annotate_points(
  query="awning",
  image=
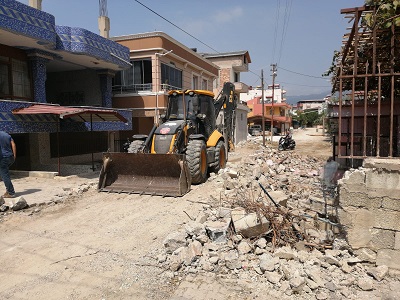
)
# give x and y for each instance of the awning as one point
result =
(280, 119)
(80, 114)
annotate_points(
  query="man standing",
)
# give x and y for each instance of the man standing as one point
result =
(7, 157)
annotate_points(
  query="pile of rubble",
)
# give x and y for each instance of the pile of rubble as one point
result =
(270, 219)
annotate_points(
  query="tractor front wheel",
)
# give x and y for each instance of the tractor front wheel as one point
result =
(196, 156)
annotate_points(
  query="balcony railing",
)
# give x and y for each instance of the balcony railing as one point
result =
(146, 87)
(133, 88)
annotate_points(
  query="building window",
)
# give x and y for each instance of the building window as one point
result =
(20, 78)
(195, 82)
(204, 84)
(15, 80)
(137, 78)
(171, 78)
(4, 83)
(237, 77)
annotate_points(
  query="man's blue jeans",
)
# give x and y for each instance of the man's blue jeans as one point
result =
(5, 163)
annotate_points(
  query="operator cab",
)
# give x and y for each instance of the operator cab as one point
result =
(199, 109)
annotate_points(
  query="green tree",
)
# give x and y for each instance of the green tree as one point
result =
(386, 13)
(308, 119)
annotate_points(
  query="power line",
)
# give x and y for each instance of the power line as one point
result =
(277, 13)
(322, 86)
(175, 25)
(285, 26)
(302, 74)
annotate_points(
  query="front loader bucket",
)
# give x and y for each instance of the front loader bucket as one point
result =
(140, 173)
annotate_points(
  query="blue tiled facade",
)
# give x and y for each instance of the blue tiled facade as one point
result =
(24, 20)
(29, 23)
(82, 41)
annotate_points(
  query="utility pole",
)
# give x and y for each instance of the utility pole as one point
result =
(263, 107)
(273, 96)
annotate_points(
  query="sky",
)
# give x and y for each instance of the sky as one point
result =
(299, 36)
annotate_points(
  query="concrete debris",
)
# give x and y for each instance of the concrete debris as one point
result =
(249, 224)
(291, 242)
(19, 204)
(379, 273)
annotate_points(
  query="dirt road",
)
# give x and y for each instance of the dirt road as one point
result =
(105, 246)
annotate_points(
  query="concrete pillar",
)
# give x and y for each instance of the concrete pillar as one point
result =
(104, 26)
(38, 66)
(36, 4)
(106, 77)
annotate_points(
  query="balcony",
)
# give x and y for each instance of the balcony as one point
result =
(142, 88)
(241, 87)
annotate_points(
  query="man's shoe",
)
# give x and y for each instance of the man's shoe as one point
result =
(7, 195)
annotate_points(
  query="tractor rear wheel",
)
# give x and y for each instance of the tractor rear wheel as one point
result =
(196, 156)
(220, 157)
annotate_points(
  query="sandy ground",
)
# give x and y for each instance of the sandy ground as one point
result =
(103, 246)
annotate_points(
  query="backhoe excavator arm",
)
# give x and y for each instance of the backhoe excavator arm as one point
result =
(227, 100)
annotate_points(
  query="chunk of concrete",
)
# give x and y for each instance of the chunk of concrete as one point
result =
(379, 273)
(279, 197)
(249, 225)
(388, 257)
(217, 231)
(19, 204)
(174, 241)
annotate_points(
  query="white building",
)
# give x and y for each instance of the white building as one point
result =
(279, 94)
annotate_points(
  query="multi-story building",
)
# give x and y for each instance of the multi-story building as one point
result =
(45, 67)
(277, 114)
(256, 92)
(231, 64)
(312, 105)
(160, 64)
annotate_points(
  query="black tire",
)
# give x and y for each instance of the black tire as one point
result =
(196, 156)
(280, 144)
(135, 145)
(220, 157)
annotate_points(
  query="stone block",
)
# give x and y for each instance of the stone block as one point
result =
(248, 225)
(357, 198)
(359, 229)
(382, 239)
(345, 216)
(388, 257)
(390, 203)
(382, 179)
(387, 219)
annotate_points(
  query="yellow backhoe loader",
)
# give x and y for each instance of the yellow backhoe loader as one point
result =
(181, 151)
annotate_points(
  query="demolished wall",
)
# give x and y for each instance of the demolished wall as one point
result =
(369, 200)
